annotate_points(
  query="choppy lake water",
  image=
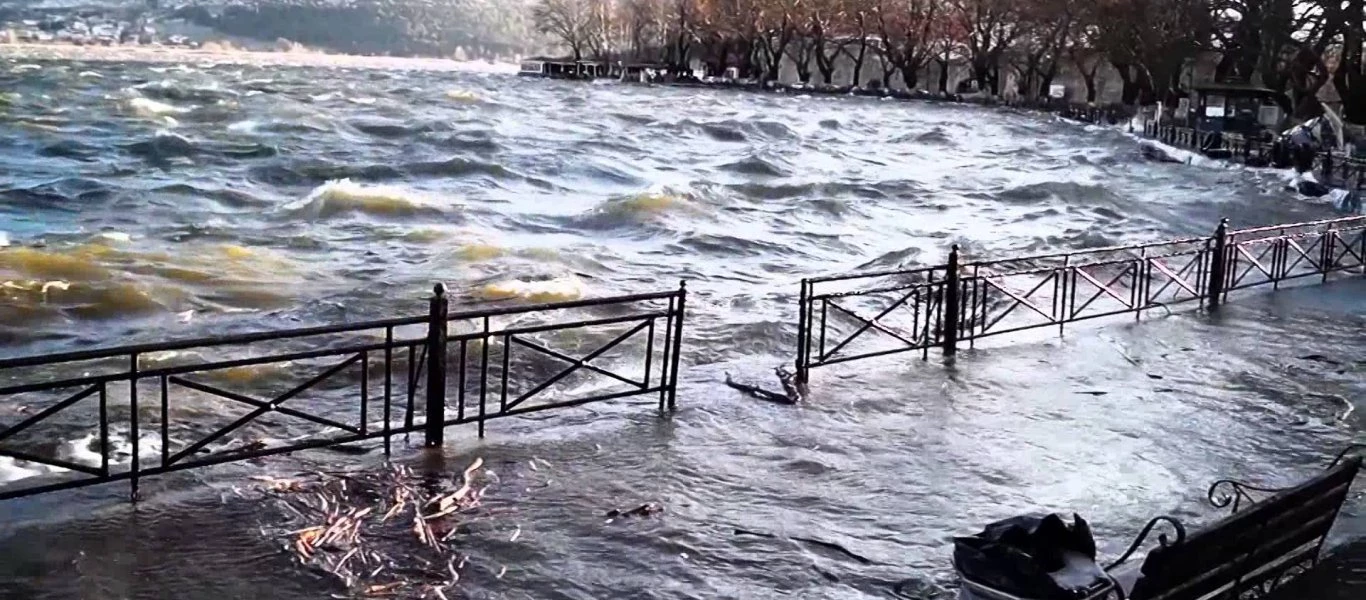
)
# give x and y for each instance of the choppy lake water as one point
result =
(142, 202)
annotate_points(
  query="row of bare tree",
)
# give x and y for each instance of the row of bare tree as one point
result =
(1292, 46)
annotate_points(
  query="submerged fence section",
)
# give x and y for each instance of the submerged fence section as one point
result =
(863, 315)
(135, 411)
(88, 417)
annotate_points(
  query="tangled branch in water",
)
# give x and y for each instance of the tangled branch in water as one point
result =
(383, 534)
(792, 390)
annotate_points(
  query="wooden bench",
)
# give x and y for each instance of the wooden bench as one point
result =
(1247, 553)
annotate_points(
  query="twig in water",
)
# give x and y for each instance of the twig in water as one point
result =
(838, 548)
(342, 563)
(822, 543)
(758, 392)
(455, 575)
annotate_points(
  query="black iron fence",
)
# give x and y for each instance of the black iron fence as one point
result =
(1331, 167)
(142, 409)
(863, 315)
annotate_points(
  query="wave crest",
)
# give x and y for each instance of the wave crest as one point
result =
(636, 209)
(343, 196)
(558, 289)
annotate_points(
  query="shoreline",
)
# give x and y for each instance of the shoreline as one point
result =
(1138, 120)
(298, 58)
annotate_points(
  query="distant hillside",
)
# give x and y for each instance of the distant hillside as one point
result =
(478, 28)
(475, 28)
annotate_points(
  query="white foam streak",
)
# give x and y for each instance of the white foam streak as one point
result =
(147, 107)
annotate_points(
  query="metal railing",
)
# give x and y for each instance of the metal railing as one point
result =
(354, 382)
(863, 315)
(1331, 167)
(921, 291)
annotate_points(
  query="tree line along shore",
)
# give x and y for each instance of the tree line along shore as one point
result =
(1131, 52)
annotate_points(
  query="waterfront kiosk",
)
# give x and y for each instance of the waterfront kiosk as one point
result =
(1242, 109)
(565, 68)
(534, 67)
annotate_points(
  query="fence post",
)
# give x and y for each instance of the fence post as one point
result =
(133, 434)
(1218, 263)
(678, 345)
(951, 302)
(436, 367)
(802, 333)
(1328, 252)
(1328, 168)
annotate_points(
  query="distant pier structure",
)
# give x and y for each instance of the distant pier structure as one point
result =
(568, 68)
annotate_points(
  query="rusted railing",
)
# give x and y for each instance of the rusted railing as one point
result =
(349, 383)
(863, 315)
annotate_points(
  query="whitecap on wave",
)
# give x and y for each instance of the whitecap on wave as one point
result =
(81, 450)
(558, 289)
(147, 107)
(344, 196)
(462, 96)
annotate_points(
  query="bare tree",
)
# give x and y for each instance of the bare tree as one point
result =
(1294, 46)
(991, 27)
(1350, 75)
(568, 21)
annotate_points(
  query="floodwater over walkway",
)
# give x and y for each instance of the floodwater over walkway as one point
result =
(174, 201)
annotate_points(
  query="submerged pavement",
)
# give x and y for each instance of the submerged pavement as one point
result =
(889, 458)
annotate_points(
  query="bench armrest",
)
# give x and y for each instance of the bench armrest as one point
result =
(1226, 492)
(1161, 538)
(1350, 449)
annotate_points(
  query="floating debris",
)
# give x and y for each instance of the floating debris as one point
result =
(384, 534)
(644, 510)
(792, 393)
(811, 541)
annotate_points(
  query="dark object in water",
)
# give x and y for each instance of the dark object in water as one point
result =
(813, 541)
(644, 510)
(1038, 557)
(1153, 152)
(1343, 200)
(1312, 189)
(792, 390)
